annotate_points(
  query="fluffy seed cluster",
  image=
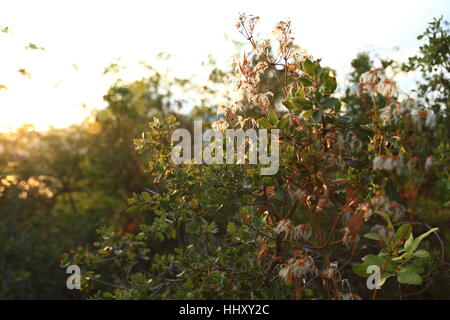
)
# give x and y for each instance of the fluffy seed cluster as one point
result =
(291, 232)
(382, 231)
(375, 82)
(392, 208)
(429, 163)
(329, 272)
(350, 296)
(348, 239)
(220, 125)
(297, 267)
(389, 163)
(366, 210)
(419, 117)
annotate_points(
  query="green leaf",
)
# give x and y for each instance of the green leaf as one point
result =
(421, 254)
(317, 117)
(408, 277)
(386, 275)
(172, 119)
(330, 103)
(372, 259)
(361, 269)
(140, 236)
(379, 261)
(231, 228)
(409, 242)
(273, 118)
(403, 233)
(267, 181)
(264, 123)
(309, 293)
(301, 103)
(307, 114)
(285, 124)
(369, 127)
(372, 236)
(146, 196)
(385, 217)
(413, 268)
(305, 82)
(288, 104)
(310, 67)
(420, 238)
(331, 85)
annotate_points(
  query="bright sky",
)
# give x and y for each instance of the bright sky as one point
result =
(91, 34)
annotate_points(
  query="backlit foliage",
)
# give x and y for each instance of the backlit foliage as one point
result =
(359, 173)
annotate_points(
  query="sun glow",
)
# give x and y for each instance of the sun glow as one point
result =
(81, 39)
